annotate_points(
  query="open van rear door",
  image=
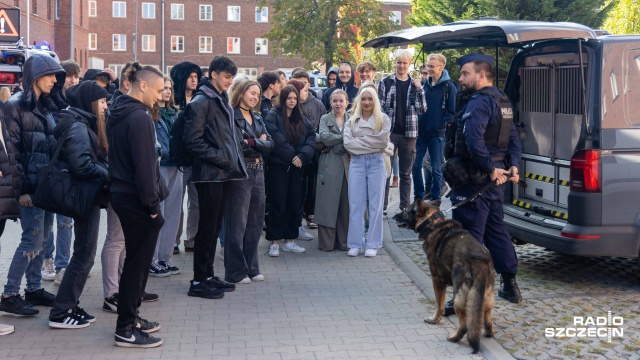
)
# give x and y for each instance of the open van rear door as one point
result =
(483, 32)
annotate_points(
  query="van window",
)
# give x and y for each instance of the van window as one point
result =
(322, 82)
(632, 87)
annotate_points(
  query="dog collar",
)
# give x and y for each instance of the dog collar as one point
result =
(435, 218)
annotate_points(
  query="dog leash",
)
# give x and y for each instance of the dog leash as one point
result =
(479, 193)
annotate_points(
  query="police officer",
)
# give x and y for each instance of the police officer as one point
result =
(492, 152)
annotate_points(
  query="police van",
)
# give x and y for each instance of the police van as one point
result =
(576, 98)
(13, 57)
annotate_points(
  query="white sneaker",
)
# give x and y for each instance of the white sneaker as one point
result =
(354, 252)
(59, 276)
(245, 281)
(48, 271)
(291, 246)
(371, 252)
(303, 234)
(6, 329)
(258, 277)
(274, 250)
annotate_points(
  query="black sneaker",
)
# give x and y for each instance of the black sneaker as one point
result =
(217, 283)
(158, 271)
(136, 338)
(110, 304)
(71, 320)
(39, 297)
(15, 304)
(146, 325)
(172, 269)
(149, 297)
(203, 290)
(176, 249)
(84, 315)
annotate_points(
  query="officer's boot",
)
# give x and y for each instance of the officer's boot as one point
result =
(509, 288)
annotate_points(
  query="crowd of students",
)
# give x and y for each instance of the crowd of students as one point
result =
(265, 155)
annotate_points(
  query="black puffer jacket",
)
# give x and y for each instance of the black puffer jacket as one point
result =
(255, 148)
(10, 180)
(211, 135)
(283, 152)
(80, 148)
(30, 121)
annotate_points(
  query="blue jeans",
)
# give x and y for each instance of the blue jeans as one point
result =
(367, 176)
(62, 243)
(433, 144)
(27, 260)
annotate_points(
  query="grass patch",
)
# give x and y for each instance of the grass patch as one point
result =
(609, 345)
(598, 351)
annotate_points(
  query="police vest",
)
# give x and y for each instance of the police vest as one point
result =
(495, 134)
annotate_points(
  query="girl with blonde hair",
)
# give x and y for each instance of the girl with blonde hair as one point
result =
(366, 135)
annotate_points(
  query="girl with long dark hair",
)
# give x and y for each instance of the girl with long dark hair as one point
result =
(294, 137)
(82, 130)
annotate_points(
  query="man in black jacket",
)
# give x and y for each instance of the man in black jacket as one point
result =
(29, 118)
(211, 135)
(136, 192)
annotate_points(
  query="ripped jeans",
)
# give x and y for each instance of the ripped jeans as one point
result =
(61, 244)
(27, 260)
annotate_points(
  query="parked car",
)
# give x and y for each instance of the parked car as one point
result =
(318, 82)
(576, 98)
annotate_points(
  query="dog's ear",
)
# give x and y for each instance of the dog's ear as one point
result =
(435, 203)
(421, 208)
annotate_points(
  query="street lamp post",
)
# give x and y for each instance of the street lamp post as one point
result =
(135, 34)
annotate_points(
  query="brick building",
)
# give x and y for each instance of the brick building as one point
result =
(168, 31)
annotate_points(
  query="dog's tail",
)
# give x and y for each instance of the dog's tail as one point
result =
(475, 314)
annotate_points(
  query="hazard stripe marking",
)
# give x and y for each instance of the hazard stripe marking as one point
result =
(546, 179)
(526, 205)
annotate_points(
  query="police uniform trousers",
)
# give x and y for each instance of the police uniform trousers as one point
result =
(484, 219)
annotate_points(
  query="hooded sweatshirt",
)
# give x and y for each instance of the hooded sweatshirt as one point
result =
(349, 87)
(333, 69)
(133, 161)
(439, 110)
(30, 121)
(179, 75)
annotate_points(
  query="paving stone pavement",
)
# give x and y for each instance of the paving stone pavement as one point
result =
(556, 288)
(312, 306)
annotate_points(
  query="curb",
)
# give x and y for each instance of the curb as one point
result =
(489, 347)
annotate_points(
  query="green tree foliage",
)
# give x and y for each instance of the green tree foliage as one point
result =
(325, 30)
(624, 18)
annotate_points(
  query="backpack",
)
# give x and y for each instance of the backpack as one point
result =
(177, 151)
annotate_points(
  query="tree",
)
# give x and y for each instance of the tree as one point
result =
(624, 18)
(325, 30)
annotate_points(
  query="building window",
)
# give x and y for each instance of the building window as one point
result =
(177, 11)
(233, 13)
(57, 9)
(149, 43)
(177, 43)
(117, 68)
(233, 45)
(93, 41)
(93, 8)
(169, 67)
(262, 14)
(395, 17)
(119, 42)
(206, 44)
(262, 46)
(206, 12)
(34, 7)
(119, 9)
(251, 73)
(148, 10)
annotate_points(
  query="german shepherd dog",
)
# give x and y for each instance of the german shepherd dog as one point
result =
(457, 259)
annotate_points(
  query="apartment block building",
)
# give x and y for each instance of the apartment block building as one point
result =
(161, 33)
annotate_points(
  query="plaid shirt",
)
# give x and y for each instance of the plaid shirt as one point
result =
(416, 104)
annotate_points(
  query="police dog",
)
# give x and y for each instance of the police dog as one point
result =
(455, 258)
